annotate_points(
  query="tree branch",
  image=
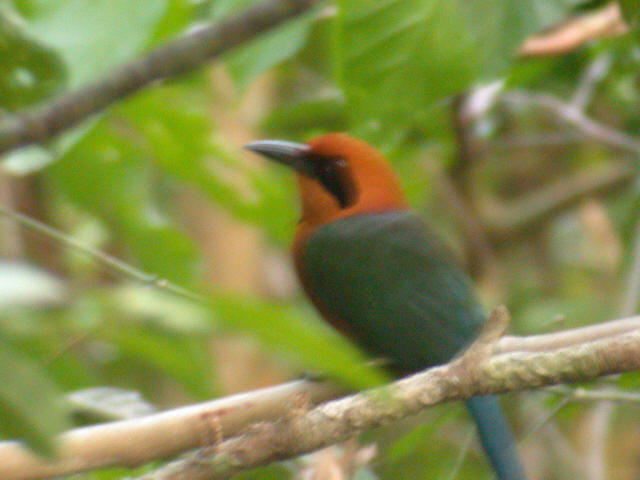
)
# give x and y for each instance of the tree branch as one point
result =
(574, 116)
(520, 362)
(339, 420)
(505, 219)
(140, 440)
(180, 56)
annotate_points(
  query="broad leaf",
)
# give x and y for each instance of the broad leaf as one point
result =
(31, 408)
(267, 50)
(29, 71)
(396, 58)
(295, 333)
(93, 36)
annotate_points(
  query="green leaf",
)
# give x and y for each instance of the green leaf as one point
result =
(31, 408)
(396, 58)
(505, 25)
(295, 121)
(29, 71)
(304, 337)
(269, 50)
(109, 173)
(631, 12)
(90, 38)
(177, 16)
(181, 357)
(222, 8)
(176, 127)
(94, 36)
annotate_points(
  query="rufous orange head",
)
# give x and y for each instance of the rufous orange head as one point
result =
(338, 175)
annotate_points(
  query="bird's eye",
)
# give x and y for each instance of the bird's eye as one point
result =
(340, 162)
(333, 173)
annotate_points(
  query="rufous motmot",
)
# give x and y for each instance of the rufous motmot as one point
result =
(375, 271)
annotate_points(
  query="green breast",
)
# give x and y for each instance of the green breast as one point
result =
(390, 280)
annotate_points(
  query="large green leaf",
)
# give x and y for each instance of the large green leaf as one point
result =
(176, 125)
(29, 70)
(93, 36)
(178, 14)
(109, 173)
(396, 58)
(297, 334)
(294, 121)
(267, 50)
(31, 408)
(184, 358)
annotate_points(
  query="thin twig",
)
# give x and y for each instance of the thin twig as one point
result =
(599, 427)
(462, 454)
(110, 261)
(632, 291)
(590, 395)
(593, 74)
(546, 418)
(532, 343)
(540, 140)
(178, 57)
(554, 438)
(506, 219)
(551, 341)
(571, 115)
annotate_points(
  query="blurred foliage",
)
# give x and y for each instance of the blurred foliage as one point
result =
(155, 179)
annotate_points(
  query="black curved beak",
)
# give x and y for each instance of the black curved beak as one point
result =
(293, 155)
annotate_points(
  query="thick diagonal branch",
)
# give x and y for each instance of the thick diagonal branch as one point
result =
(180, 56)
(539, 359)
(339, 420)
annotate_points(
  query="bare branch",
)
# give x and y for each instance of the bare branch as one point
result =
(180, 56)
(598, 395)
(455, 187)
(137, 441)
(573, 116)
(593, 74)
(568, 338)
(338, 420)
(506, 218)
(521, 362)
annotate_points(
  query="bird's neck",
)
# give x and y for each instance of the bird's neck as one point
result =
(319, 207)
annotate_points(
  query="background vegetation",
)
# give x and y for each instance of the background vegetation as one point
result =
(526, 164)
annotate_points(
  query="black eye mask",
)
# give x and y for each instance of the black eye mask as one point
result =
(333, 174)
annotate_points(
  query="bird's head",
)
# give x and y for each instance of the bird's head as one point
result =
(338, 175)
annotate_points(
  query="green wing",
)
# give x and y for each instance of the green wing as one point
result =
(388, 278)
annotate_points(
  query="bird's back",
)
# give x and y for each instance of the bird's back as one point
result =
(387, 281)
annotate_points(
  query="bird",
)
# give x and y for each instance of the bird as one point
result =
(377, 272)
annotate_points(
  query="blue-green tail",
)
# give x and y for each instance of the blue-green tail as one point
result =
(496, 437)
